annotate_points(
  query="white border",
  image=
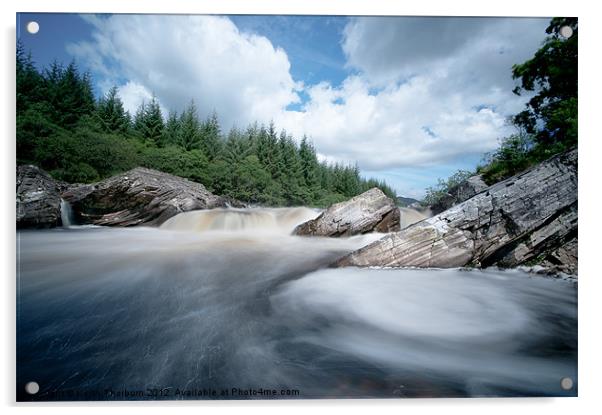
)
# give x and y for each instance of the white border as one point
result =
(589, 193)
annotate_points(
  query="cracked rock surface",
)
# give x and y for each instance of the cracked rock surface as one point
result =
(38, 198)
(368, 212)
(460, 193)
(139, 196)
(530, 217)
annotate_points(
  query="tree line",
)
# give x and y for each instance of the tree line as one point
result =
(62, 128)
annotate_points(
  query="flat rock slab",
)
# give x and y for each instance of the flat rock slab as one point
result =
(371, 211)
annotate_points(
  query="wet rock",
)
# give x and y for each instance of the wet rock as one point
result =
(371, 211)
(460, 193)
(38, 198)
(138, 197)
(513, 222)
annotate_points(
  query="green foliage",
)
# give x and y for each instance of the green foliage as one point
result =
(189, 134)
(514, 155)
(61, 129)
(175, 160)
(210, 137)
(72, 154)
(69, 94)
(443, 187)
(172, 129)
(548, 125)
(551, 114)
(148, 122)
(110, 113)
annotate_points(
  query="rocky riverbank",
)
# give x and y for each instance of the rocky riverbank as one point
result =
(527, 219)
(137, 197)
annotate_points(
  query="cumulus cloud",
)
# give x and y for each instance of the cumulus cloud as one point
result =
(426, 91)
(133, 94)
(400, 126)
(387, 48)
(178, 58)
(420, 91)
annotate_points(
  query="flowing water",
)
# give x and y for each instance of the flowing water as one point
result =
(410, 216)
(66, 213)
(226, 300)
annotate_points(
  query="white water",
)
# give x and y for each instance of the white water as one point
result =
(261, 220)
(410, 216)
(228, 298)
(275, 220)
(66, 213)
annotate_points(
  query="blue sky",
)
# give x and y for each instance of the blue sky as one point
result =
(409, 99)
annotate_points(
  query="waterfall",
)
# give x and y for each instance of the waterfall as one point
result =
(410, 216)
(275, 220)
(66, 213)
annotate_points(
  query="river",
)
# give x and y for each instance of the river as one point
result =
(226, 304)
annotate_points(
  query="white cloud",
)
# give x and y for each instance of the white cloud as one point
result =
(423, 91)
(242, 76)
(391, 128)
(427, 91)
(133, 94)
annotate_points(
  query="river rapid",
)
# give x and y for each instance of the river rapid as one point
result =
(226, 304)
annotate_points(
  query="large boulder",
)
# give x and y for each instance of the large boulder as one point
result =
(38, 198)
(517, 221)
(138, 197)
(459, 193)
(371, 211)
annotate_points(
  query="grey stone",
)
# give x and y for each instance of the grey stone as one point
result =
(460, 193)
(138, 197)
(371, 211)
(515, 221)
(38, 198)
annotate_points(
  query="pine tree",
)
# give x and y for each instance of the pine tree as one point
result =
(267, 149)
(139, 118)
(87, 100)
(153, 123)
(171, 131)
(69, 94)
(190, 134)
(110, 113)
(148, 122)
(236, 148)
(30, 84)
(309, 164)
(292, 179)
(210, 133)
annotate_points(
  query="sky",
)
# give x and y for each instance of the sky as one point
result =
(409, 99)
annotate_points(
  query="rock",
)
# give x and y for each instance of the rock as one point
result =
(513, 222)
(371, 211)
(562, 259)
(460, 193)
(138, 197)
(38, 199)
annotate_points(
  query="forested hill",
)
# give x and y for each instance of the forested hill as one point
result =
(63, 129)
